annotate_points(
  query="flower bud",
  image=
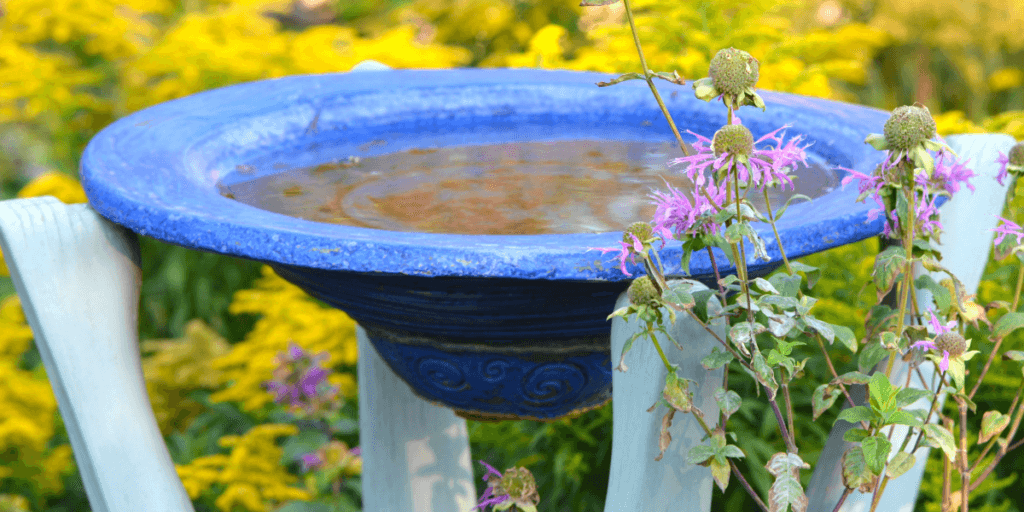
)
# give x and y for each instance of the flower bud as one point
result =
(642, 292)
(1016, 156)
(909, 126)
(734, 139)
(733, 71)
(642, 230)
(951, 342)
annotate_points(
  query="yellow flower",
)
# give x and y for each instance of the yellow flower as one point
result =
(178, 366)
(288, 315)
(59, 185)
(251, 473)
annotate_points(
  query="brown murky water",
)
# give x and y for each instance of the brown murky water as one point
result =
(580, 186)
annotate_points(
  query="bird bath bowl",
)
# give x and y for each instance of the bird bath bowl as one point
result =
(495, 326)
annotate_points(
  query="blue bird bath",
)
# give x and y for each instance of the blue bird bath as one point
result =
(493, 326)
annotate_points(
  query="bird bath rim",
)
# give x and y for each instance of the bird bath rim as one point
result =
(156, 170)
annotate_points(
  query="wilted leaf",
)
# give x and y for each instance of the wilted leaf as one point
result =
(716, 359)
(824, 396)
(720, 471)
(677, 392)
(786, 492)
(665, 437)
(856, 474)
(728, 401)
(900, 463)
(889, 265)
(622, 78)
(992, 424)
(597, 3)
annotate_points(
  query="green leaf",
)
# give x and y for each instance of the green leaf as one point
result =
(877, 141)
(992, 424)
(700, 454)
(812, 273)
(716, 359)
(1007, 323)
(902, 418)
(855, 435)
(680, 297)
(940, 294)
(625, 349)
(763, 373)
(957, 371)
(732, 451)
(823, 397)
(677, 392)
(872, 354)
(882, 392)
(700, 307)
(623, 78)
(938, 437)
(853, 378)
(786, 491)
(765, 286)
(845, 336)
(889, 265)
(900, 463)
(782, 211)
(705, 89)
(857, 414)
(908, 396)
(876, 452)
(1013, 355)
(728, 401)
(823, 328)
(856, 474)
(787, 285)
(619, 312)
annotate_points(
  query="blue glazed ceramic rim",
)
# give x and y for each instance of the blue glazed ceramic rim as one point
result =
(156, 171)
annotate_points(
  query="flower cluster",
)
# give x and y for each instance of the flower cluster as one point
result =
(301, 383)
(516, 487)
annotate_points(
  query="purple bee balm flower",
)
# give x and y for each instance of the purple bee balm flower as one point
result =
(311, 461)
(867, 185)
(763, 166)
(949, 173)
(626, 251)
(493, 478)
(1003, 161)
(1008, 228)
(930, 345)
(677, 214)
(937, 324)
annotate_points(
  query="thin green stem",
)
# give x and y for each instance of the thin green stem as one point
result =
(908, 274)
(778, 239)
(648, 77)
(1016, 294)
(664, 360)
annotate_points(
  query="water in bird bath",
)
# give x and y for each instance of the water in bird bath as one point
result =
(578, 186)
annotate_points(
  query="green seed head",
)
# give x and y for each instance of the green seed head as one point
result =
(642, 292)
(1017, 155)
(642, 230)
(909, 126)
(520, 485)
(734, 139)
(733, 71)
(951, 342)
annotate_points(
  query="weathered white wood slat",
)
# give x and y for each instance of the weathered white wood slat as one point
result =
(637, 482)
(967, 220)
(78, 278)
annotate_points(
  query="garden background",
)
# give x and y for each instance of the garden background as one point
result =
(211, 326)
